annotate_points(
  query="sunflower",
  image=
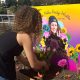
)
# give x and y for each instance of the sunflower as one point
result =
(64, 30)
(71, 51)
(77, 48)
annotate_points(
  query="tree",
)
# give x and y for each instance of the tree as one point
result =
(3, 10)
(47, 2)
(24, 2)
(10, 3)
(72, 1)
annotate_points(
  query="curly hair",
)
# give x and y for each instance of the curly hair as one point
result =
(27, 19)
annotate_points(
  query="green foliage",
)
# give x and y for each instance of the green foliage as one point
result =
(72, 1)
(13, 9)
(3, 10)
(24, 2)
(69, 37)
(11, 3)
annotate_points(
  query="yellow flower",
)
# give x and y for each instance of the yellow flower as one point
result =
(70, 51)
(64, 30)
(77, 48)
(42, 42)
(66, 46)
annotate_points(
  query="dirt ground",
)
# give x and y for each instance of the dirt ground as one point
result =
(64, 75)
(21, 76)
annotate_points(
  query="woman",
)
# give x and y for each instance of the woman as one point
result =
(27, 26)
(54, 26)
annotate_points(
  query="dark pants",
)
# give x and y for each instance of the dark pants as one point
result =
(1, 78)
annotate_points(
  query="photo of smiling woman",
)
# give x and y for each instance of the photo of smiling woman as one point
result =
(54, 26)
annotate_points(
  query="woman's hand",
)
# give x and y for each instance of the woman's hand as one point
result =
(45, 65)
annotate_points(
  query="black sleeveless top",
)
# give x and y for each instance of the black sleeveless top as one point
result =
(8, 49)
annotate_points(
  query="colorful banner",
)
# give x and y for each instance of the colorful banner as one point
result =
(68, 16)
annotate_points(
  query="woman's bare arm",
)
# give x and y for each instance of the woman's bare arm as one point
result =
(25, 40)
